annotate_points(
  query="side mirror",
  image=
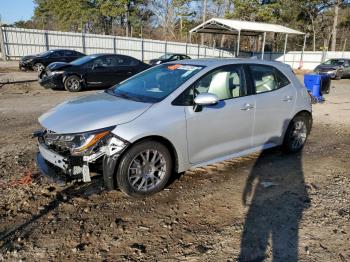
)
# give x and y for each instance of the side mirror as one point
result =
(205, 99)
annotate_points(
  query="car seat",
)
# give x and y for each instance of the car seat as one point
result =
(219, 85)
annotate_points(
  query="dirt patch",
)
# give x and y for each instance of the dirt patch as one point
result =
(260, 207)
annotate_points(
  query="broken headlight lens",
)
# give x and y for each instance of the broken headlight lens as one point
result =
(77, 144)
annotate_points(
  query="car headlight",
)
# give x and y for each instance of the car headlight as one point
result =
(158, 62)
(56, 73)
(79, 144)
(28, 60)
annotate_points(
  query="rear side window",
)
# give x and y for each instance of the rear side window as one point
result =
(267, 78)
(282, 80)
(126, 61)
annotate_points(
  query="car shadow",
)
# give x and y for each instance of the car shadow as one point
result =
(7, 238)
(276, 195)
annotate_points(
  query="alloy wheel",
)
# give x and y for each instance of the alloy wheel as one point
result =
(147, 170)
(299, 134)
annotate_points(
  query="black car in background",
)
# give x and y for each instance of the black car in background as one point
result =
(99, 70)
(40, 61)
(335, 68)
(168, 58)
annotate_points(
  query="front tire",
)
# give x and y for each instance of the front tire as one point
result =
(39, 67)
(73, 84)
(297, 133)
(338, 76)
(144, 169)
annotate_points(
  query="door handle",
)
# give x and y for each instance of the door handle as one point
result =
(287, 98)
(247, 107)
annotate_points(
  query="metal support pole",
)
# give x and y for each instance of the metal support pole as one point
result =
(238, 42)
(263, 47)
(115, 45)
(198, 49)
(142, 50)
(302, 53)
(285, 48)
(83, 43)
(46, 37)
(344, 47)
(190, 38)
(2, 42)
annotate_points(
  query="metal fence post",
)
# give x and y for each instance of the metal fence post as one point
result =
(115, 45)
(83, 42)
(186, 48)
(46, 37)
(198, 49)
(2, 42)
(142, 50)
(165, 47)
(205, 51)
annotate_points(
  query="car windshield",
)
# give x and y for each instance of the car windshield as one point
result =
(46, 53)
(83, 60)
(334, 62)
(167, 56)
(155, 84)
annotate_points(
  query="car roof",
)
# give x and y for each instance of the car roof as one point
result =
(215, 62)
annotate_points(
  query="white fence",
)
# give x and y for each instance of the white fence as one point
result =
(17, 42)
(310, 59)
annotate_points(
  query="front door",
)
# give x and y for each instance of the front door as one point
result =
(223, 129)
(101, 72)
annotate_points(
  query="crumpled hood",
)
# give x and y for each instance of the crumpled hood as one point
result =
(28, 57)
(91, 112)
(58, 65)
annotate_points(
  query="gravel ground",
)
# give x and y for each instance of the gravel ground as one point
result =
(262, 207)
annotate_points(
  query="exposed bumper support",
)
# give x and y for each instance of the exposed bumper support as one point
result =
(49, 171)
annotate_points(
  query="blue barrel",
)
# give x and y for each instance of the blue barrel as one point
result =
(313, 83)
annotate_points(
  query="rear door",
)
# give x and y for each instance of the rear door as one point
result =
(275, 99)
(125, 67)
(223, 129)
(347, 67)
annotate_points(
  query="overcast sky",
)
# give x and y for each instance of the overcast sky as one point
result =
(14, 10)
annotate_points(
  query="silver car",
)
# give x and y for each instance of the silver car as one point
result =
(171, 118)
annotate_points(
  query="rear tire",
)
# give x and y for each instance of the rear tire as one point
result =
(297, 133)
(144, 169)
(73, 84)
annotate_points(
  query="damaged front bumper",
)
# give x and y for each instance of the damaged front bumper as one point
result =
(63, 169)
(51, 81)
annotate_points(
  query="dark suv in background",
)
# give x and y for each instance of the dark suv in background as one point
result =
(40, 61)
(335, 68)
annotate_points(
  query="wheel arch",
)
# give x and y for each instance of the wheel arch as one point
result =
(166, 142)
(110, 165)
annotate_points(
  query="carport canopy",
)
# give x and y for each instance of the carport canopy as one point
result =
(246, 28)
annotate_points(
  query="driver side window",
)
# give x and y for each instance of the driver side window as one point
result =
(227, 83)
